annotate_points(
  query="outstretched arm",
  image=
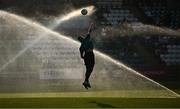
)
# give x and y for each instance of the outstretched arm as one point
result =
(90, 28)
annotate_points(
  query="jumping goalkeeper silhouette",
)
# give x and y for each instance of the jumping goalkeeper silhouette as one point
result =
(86, 52)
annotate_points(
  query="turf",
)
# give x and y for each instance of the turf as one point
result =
(90, 102)
(110, 94)
(84, 100)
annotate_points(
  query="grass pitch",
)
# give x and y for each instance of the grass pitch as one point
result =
(90, 102)
(79, 100)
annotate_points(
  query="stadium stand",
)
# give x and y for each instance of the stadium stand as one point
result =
(149, 55)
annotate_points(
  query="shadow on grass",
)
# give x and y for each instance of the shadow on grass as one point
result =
(103, 105)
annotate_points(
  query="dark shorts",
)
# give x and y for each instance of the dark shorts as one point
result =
(89, 59)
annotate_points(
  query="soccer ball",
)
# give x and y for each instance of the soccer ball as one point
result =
(84, 11)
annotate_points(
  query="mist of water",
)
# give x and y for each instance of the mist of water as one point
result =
(36, 25)
(76, 13)
(139, 29)
(61, 19)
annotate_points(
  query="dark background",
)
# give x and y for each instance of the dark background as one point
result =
(144, 54)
